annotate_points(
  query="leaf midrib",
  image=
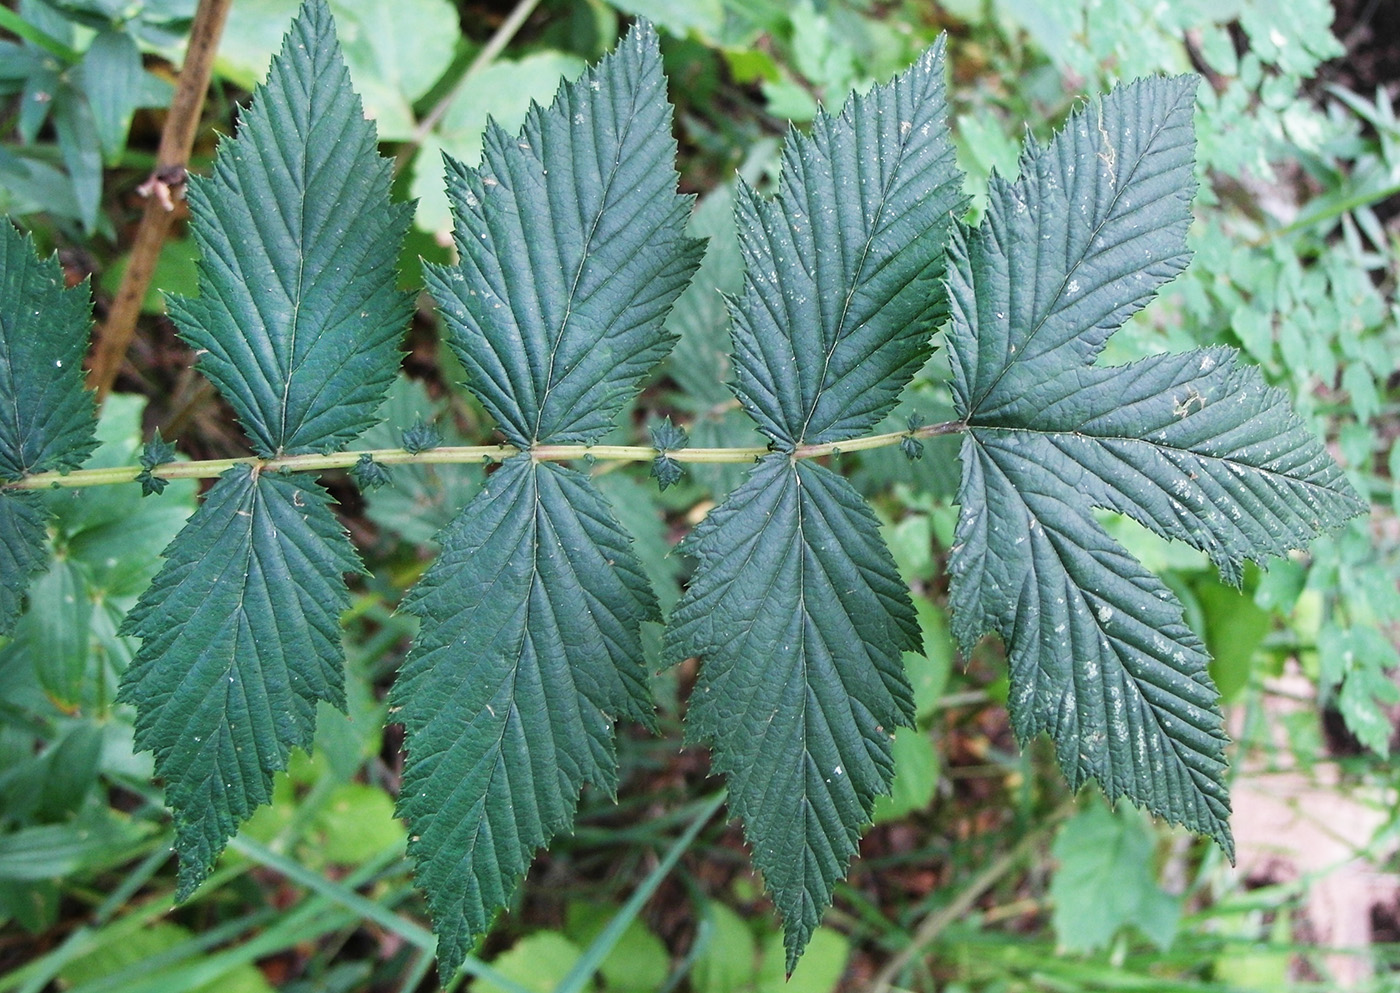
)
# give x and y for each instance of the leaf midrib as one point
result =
(856, 282)
(550, 382)
(976, 405)
(1274, 474)
(1105, 640)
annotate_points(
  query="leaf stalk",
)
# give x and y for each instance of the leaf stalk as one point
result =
(461, 454)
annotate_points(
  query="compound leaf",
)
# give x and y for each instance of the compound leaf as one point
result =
(573, 249)
(844, 267)
(240, 639)
(46, 417)
(23, 533)
(801, 618)
(1192, 446)
(529, 650)
(298, 317)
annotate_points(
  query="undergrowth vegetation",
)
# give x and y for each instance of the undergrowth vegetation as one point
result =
(697, 486)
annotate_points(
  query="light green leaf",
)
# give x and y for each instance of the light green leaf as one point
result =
(538, 962)
(118, 949)
(915, 781)
(502, 92)
(396, 52)
(51, 851)
(840, 299)
(572, 245)
(356, 823)
(638, 962)
(705, 17)
(728, 960)
(801, 617)
(820, 970)
(46, 417)
(529, 650)
(298, 318)
(240, 638)
(1106, 881)
(1192, 446)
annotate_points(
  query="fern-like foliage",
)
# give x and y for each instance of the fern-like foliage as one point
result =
(572, 251)
(572, 245)
(796, 606)
(299, 320)
(1192, 446)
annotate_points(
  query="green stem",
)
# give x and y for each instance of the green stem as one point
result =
(461, 454)
(17, 25)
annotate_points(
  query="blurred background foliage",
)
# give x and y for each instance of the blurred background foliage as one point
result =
(979, 874)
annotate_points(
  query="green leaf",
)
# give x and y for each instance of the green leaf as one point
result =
(572, 245)
(638, 962)
(396, 53)
(240, 638)
(46, 417)
(502, 92)
(1192, 446)
(801, 618)
(728, 960)
(1106, 881)
(80, 149)
(916, 768)
(538, 962)
(156, 453)
(529, 650)
(149, 950)
(49, 851)
(820, 970)
(23, 534)
(114, 82)
(667, 438)
(298, 319)
(421, 436)
(843, 288)
(700, 361)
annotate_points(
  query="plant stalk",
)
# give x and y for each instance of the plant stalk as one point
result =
(167, 180)
(448, 455)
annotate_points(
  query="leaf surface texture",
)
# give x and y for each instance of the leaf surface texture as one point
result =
(240, 638)
(1190, 445)
(844, 266)
(529, 650)
(572, 244)
(298, 318)
(23, 537)
(796, 606)
(801, 618)
(46, 416)
(573, 249)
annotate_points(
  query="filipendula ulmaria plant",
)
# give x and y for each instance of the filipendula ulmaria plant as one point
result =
(1193, 446)
(571, 245)
(297, 322)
